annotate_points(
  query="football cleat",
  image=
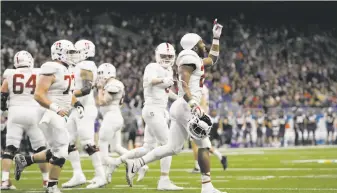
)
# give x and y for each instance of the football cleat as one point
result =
(76, 180)
(45, 183)
(224, 162)
(7, 185)
(131, 171)
(53, 189)
(98, 183)
(141, 173)
(20, 164)
(167, 185)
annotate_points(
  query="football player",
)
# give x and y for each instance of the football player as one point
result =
(330, 118)
(110, 98)
(204, 104)
(19, 86)
(54, 94)
(158, 78)
(85, 75)
(187, 117)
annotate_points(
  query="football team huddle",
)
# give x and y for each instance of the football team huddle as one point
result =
(56, 106)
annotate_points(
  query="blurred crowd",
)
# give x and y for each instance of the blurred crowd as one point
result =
(259, 66)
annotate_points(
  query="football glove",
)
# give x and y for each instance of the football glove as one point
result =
(217, 29)
(80, 109)
(167, 82)
(195, 108)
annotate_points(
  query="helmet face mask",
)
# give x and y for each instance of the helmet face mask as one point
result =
(86, 49)
(165, 55)
(64, 51)
(199, 128)
(106, 71)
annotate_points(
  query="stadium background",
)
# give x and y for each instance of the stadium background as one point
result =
(274, 56)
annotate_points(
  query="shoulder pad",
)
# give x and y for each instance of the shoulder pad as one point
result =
(36, 70)
(87, 65)
(8, 72)
(49, 68)
(188, 57)
(114, 87)
(152, 65)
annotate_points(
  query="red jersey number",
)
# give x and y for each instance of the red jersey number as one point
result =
(69, 78)
(19, 86)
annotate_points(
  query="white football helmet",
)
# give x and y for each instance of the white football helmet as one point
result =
(23, 59)
(86, 49)
(105, 71)
(199, 128)
(165, 55)
(189, 40)
(64, 51)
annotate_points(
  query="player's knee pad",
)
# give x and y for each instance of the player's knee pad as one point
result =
(62, 151)
(9, 152)
(49, 155)
(90, 149)
(40, 149)
(57, 161)
(71, 148)
(204, 143)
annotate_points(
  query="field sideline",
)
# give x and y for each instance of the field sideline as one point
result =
(288, 170)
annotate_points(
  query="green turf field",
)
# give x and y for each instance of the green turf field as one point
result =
(250, 171)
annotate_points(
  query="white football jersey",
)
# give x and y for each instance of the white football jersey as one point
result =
(60, 92)
(156, 94)
(113, 86)
(89, 66)
(21, 86)
(197, 78)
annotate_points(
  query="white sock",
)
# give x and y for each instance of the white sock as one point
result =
(164, 178)
(45, 176)
(206, 181)
(158, 153)
(165, 164)
(134, 153)
(5, 176)
(97, 163)
(217, 154)
(74, 158)
(104, 150)
(196, 164)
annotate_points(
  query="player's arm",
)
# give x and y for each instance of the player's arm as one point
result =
(106, 96)
(78, 105)
(203, 103)
(40, 95)
(151, 78)
(213, 54)
(173, 96)
(185, 74)
(4, 95)
(87, 82)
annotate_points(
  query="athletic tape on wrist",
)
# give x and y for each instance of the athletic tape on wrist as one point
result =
(54, 107)
(214, 53)
(216, 41)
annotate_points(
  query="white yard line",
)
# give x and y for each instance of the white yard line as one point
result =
(215, 178)
(214, 169)
(196, 188)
